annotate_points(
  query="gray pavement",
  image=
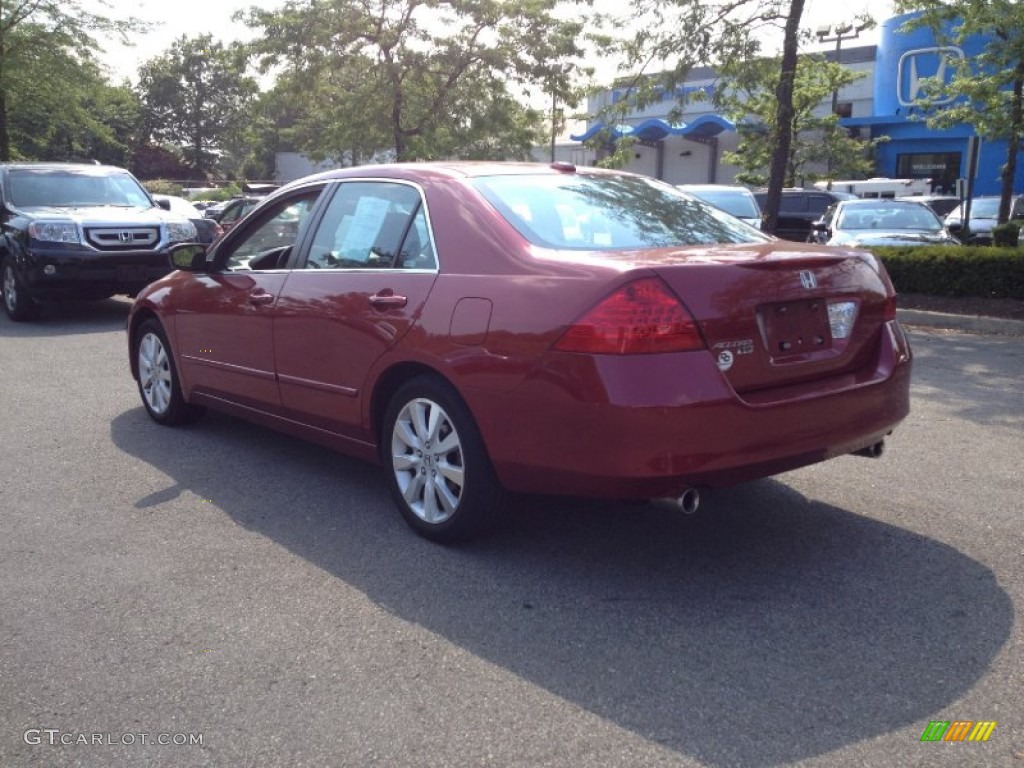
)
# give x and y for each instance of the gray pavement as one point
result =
(222, 580)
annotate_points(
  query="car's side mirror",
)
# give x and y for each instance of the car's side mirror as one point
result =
(190, 257)
(819, 226)
(163, 203)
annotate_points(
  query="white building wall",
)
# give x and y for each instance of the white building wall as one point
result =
(688, 162)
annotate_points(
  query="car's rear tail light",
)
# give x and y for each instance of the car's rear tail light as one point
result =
(889, 310)
(641, 317)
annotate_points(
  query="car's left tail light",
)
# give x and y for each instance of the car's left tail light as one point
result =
(642, 317)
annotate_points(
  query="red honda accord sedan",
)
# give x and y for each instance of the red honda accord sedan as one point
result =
(483, 328)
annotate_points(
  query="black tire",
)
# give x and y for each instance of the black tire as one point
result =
(158, 381)
(18, 302)
(447, 491)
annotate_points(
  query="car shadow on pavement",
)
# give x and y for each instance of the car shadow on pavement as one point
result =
(766, 629)
(71, 317)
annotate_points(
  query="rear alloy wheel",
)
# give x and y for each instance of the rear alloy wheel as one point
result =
(440, 474)
(158, 378)
(18, 303)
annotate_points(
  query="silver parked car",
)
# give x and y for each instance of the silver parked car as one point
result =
(881, 222)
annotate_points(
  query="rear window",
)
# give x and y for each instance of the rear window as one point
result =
(608, 212)
(736, 202)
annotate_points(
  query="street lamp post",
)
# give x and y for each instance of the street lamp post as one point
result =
(837, 34)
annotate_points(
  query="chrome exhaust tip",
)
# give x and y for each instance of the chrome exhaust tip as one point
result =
(689, 501)
(872, 451)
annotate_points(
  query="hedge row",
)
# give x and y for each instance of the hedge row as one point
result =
(956, 270)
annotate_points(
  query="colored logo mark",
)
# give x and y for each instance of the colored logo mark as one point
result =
(958, 730)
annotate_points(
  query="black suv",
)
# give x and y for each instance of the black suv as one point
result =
(81, 232)
(800, 208)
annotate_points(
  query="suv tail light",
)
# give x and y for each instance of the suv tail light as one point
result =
(641, 317)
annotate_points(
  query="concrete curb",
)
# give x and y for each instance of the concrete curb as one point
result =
(968, 323)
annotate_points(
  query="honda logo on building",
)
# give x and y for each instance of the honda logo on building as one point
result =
(918, 65)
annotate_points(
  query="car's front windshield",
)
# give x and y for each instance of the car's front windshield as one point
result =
(63, 188)
(889, 218)
(582, 211)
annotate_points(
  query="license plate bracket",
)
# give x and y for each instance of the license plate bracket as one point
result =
(796, 329)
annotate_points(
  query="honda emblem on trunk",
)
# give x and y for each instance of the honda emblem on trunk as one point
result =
(807, 279)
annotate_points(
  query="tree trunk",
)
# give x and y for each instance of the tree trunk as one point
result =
(5, 136)
(783, 118)
(1013, 144)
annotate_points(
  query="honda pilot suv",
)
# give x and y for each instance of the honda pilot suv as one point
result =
(79, 232)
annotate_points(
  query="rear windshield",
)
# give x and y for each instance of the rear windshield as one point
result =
(608, 212)
(736, 202)
(981, 208)
(43, 187)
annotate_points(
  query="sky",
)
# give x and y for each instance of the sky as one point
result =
(174, 18)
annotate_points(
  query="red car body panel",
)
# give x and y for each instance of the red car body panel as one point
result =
(314, 353)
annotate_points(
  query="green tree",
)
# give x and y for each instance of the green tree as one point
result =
(987, 91)
(40, 40)
(195, 96)
(747, 95)
(71, 113)
(679, 34)
(421, 79)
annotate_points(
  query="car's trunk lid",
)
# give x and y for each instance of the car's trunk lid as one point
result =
(776, 314)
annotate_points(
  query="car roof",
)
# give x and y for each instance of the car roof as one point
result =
(877, 201)
(53, 166)
(715, 188)
(459, 169)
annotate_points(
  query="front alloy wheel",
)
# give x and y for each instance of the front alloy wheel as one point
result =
(441, 476)
(158, 378)
(18, 304)
(154, 374)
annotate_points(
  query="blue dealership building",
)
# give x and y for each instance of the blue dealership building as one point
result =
(687, 148)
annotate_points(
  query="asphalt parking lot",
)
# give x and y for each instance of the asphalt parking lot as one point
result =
(224, 584)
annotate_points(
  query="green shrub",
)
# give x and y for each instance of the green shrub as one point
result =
(1006, 235)
(944, 270)
(162, 187)
(224, 193)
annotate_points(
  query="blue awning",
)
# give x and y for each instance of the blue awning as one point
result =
(655, 129)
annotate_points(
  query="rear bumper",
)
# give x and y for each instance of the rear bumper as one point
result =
(55, 274)
(631, 427)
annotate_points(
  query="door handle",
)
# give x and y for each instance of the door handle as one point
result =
(388, 299)
(261, 298)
